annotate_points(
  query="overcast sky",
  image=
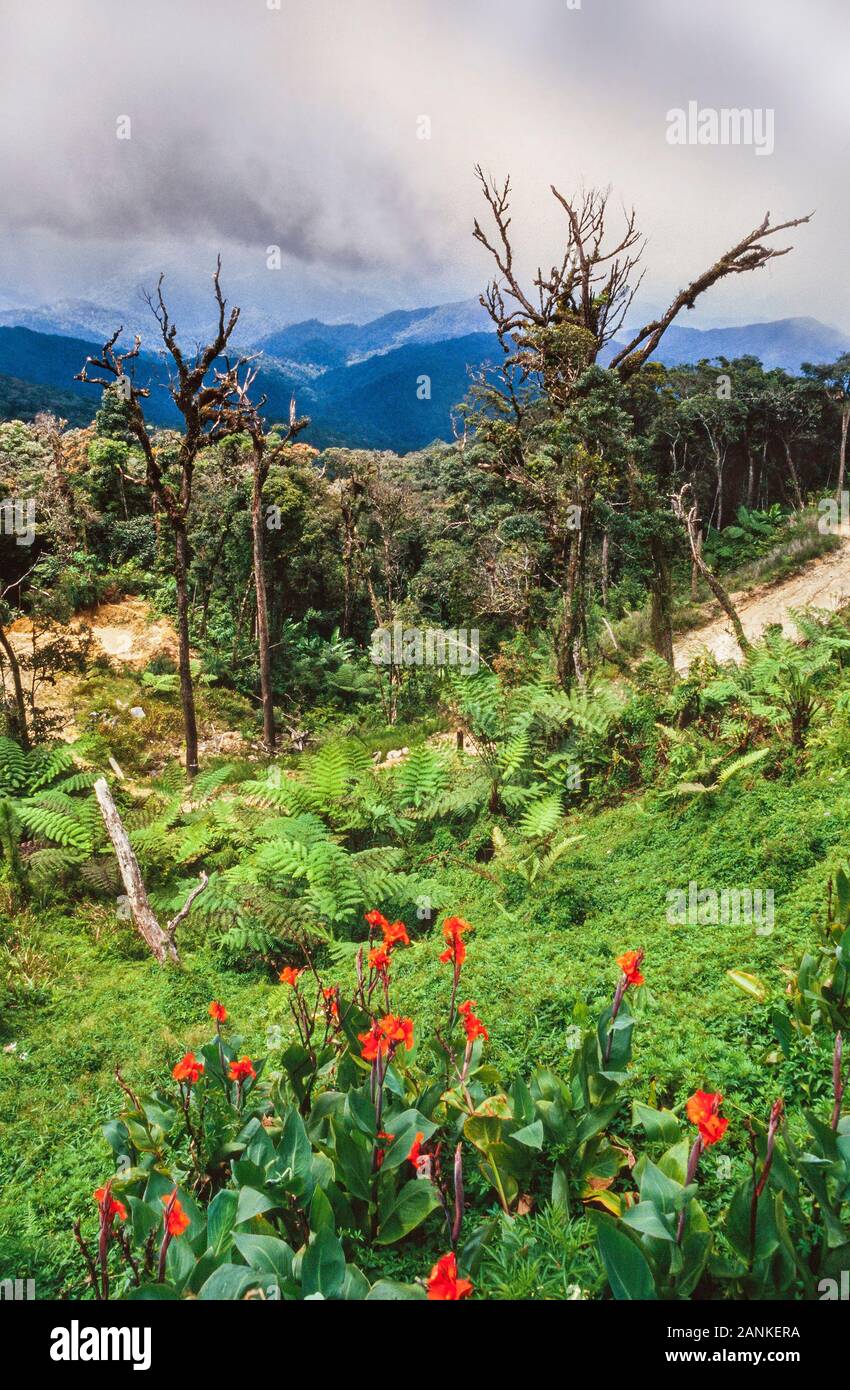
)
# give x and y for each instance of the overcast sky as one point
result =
(254, 126)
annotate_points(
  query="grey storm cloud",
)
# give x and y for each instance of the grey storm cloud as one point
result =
(300, 127)
(181, 188)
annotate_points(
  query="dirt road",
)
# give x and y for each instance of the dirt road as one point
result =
(824, 583)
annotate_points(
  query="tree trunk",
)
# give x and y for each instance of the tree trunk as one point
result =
(688, 519)
(604, 580)
(262, 613)
(160, 943)
(792, 468)
(661, 605)
(569, 632)
(187, 694)
(695, 572)
(19, 723)
(842, 459)
(751, 479)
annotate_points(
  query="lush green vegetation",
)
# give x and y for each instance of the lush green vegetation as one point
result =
(569, 800)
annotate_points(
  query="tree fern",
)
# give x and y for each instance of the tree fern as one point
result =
(422, 778)
(541, 818)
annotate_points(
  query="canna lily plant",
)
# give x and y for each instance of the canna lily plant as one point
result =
(280, 1177)
(252, 1177)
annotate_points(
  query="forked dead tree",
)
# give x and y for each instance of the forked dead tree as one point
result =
(553, 328)
(201, 399)
(687, 514)
(589, 292)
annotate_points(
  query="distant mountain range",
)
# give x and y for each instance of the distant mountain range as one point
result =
(362, 384)
(786, 343)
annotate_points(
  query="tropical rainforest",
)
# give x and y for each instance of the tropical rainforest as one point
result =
(507, 966)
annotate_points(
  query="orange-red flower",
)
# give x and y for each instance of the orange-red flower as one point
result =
(176, 1220)
(241, 1070)
(443, 1282)
(377, 919)
(112, 1207)
(289, 975)
(384, 1035)
(415, 1148)
(331, 998)
(218, 1011)
(702, 1111)
(379, 959)
(398, 1030)
(373, 1043)
(453, 930)
(630, 964)
(188, 1069)
(395, 934)
(474, 1027)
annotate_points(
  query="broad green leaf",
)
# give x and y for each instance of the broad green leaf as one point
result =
(230, 1282)
(265, 1253)
(251, 1203)
(629, 1273)
(531, 1135)
(656, 1124)
(221, 1218)
(390, 1291)
(406, 1210)
(323, 1266)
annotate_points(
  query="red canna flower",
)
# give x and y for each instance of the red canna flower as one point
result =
(453, 930)
(474, 1027)
(373, 1042)
(398, 1030)
(289, 975)
(176, 1220)
(384, 1035)
(630, 964)
(395, 934)
(218, 1011)
(377, 919)
(241, 1070)
(702, 1111)
(331, 998)
(109, 1204)
(443, 1282)
(188, 1069)
(379, 959)
(415, 1149)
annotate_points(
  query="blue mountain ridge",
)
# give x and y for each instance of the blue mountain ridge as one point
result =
(361, 384)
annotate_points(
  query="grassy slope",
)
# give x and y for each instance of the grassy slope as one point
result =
(95, 1001)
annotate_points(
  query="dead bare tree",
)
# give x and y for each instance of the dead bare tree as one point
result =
(687, 514)
(555, 327)
(245, 416)
(588, 293)
(201, 401)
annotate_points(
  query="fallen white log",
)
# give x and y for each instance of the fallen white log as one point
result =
(161, 943)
